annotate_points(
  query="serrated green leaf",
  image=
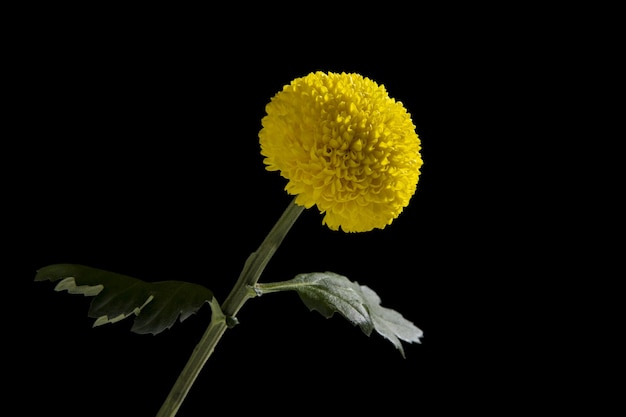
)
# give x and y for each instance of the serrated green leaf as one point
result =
(156, 305)
(328, 292)
(389, 323)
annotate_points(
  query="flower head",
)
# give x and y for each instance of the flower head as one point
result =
(345, 146)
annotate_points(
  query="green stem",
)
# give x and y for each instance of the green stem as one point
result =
(241, 292)
(270, 287)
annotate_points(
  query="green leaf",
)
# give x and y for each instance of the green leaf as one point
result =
(156, 305)
(327, 293)
(389, 323)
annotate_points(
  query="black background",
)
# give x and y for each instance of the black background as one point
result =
(136, 151)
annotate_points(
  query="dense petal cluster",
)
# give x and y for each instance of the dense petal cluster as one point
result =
(345, 146)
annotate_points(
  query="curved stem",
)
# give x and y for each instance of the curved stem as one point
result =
(241, 292)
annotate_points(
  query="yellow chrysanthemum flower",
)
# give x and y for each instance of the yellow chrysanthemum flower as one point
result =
(345, 146)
